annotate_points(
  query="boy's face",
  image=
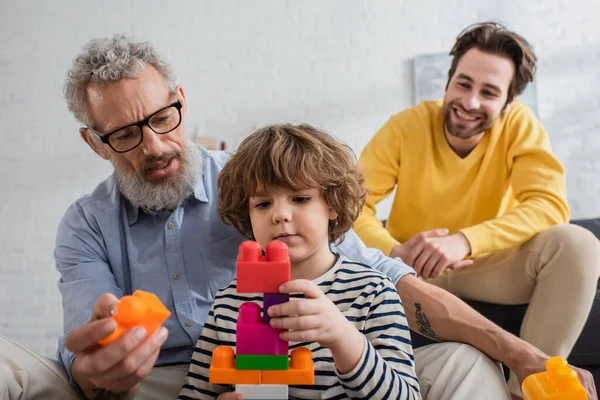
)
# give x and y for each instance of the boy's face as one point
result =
(298, 218)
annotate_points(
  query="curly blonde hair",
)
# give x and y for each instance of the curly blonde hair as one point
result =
(292, 157)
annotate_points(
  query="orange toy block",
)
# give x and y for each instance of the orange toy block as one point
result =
(257, 274)
(559, 382)
(222, 369)
(300, 372)
(140, 309)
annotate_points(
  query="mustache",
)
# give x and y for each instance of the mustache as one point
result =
(152, 161)
(167, 194)
(474, 113)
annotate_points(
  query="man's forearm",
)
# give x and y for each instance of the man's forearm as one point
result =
(437, 314)
(91, 392)
(85, 385)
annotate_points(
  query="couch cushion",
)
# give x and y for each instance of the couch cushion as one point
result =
(587, 348)
(593, 225)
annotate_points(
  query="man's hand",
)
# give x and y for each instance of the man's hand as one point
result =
(431, 252)
(587, 380)
(534, 361)
(119, 366)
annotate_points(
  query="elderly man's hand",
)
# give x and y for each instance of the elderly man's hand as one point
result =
(119, 366)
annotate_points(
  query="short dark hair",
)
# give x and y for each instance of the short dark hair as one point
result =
(292, 157)
(494, 38)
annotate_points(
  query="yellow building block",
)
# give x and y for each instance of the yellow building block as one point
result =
(559, 382)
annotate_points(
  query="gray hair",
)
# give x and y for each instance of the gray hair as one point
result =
(110, 59)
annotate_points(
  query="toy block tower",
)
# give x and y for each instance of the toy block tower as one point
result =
(261, 368)
(559, 382)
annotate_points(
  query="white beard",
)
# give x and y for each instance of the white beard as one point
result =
(168, 193)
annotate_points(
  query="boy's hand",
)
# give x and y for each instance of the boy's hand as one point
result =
(314, 319)
(317, 319)
(230, 396)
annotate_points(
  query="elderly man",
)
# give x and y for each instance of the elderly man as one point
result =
(153, 225)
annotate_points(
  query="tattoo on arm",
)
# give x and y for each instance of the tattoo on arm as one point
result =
(423, 323)
(103, 394)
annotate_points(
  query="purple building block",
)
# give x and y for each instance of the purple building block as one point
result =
(255, 338)
(271, 299)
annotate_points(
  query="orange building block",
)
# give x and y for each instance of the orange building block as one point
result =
(140, 309)
(559, 382)
(222, 369)
(300, 372)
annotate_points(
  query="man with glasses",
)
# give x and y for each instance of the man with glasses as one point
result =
(153, 225)
(171, 169)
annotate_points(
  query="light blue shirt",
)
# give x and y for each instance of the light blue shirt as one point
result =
(104, 244)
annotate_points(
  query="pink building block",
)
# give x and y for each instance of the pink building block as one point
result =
(257, 274)
(255, 338)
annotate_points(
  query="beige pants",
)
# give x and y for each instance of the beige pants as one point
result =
(25, 375)
(556, 272)
(446, 371)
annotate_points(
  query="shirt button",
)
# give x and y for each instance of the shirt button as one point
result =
(188, 323)
(176, 275)
(170, 225)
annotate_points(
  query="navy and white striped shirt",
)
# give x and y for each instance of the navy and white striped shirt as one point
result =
(368, 299)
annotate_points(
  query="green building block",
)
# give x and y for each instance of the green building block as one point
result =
(261, 362)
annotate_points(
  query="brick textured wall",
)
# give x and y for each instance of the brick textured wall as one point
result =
(341, 65)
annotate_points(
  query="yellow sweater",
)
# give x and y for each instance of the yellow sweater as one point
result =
(509, 188)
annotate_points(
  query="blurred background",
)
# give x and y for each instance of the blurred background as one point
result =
(342, 65)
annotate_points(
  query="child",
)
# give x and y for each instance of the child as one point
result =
(299, 185)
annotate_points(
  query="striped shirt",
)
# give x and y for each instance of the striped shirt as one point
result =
(368, 299)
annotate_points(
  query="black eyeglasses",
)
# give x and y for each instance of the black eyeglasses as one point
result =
(129, 137)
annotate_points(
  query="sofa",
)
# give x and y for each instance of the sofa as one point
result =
(585, 354)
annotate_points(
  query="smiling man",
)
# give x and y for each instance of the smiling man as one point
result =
(480, 206)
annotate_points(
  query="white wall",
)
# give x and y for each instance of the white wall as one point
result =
(341, 65)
